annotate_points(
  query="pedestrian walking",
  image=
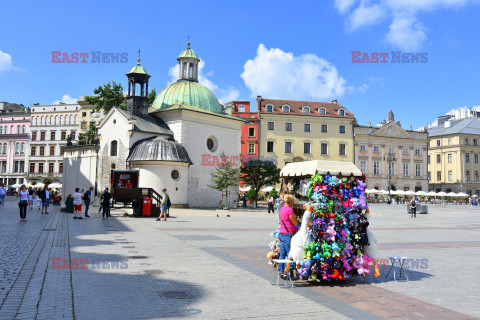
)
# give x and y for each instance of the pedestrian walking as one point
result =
(31, 193)
(39, 198)
(3, 193)
(413, 208)
(270, 204)
(87, 198)
(23, 202)
(105, 201)
(164, 205)
(278, 203)
(77, 204)
(45, 196)
(244, 199)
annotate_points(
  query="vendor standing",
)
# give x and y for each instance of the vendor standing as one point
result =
(288, 225)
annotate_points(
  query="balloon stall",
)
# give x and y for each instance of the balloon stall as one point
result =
(333, 242)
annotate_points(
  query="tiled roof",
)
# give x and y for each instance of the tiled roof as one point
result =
(148, 124)
(468, 126)
(296, 107)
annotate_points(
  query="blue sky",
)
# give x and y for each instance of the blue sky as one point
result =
(278, 49)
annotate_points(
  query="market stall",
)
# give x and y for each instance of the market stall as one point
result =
(334, 242)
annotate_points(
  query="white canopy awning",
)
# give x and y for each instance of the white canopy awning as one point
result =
(371, 191)
(420, 193)
(432, 194)
(245, 189)
(310, 168)
(452, 194)
(267, 189)
(442, 194)
(462, 195)
(409, 193)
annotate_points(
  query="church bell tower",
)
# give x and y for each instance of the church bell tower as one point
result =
(137, 98)
(188, 65)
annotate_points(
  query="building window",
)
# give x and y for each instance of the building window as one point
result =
(241, 108)
(40, 167)
(19, 166)
(4, 148)
(474, 142)
(51, 167)
(449, 141)
(438, 143)
(467, 157)
(19, 130)
(52, 135)
(84, 114)
(405, 150)
(405, 168)
(17, 148)
(306, 110)
(114, 148)
(251, 132)
(449, 158)
(417, 152)
(34, 135)
(306, 127)
(466, 141)
(342, 150)
(363, 166)
(4, 166)
(324, 128)
(42, 150)
(22, 148)
(306, 148)
(288, 147)
(52, 150)
(376, 149)
(23, 128)
(429, 176)
(476, 175)
(376, 168)
(418, 170)
(60, 167)
(391, 168)
(63, 135)
(251, 148)
(83, 125)
(363, 148)
(269, 108)
(467, 174)
(175, 175)
(72, 135)
(270, 126)
(32, 167)
(439, 158)
(1, 130)
(286, 109)
(342, 129)
(476, 157)
(288, 126)
(341, 112)
(270, 146)
(324, 148)
(42, 136)
(439, 175)
(33, 150)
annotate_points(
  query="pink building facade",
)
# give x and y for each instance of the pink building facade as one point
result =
(14, 143)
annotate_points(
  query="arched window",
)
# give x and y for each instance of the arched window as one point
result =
(23, 128)
(18, 129)
(113, 148)
(1, 130)
(11, 130)
(341, 112)
(51, 119)
(22, 148)
(17, 148)
(306, 110)
(241, 108)
(286, 109)
(56, 120)
(71, 119)
(47, 120)
(190, 71)
(322, 111)
(4, 148)
(43, 121)
(61, 120)
(269, 108)
(184, 70)
(76, 119)
(6, 131)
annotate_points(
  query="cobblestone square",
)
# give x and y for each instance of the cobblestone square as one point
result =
(200, 265)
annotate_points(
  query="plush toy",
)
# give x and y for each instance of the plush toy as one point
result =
(331, 233)
(301, 239)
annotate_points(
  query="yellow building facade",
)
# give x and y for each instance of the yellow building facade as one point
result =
(292, 131)
(88, 116)
(453, 156)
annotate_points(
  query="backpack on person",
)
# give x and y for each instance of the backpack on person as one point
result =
(169, 204)
(85, 197)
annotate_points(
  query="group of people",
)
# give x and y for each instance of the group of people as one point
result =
(80, 196)
(27, 197)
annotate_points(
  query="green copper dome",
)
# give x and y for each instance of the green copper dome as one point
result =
(188, 53)
(138, 69)
(189, 92)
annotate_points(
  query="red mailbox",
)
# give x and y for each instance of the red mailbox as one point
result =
(146, 206)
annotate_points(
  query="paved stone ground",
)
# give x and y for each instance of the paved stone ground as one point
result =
(129, 268)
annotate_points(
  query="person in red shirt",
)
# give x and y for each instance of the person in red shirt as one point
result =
(128, 184)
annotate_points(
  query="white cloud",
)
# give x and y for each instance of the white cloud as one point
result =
(6, 63)
(66, 99)
(277, 74)
(223, 95)
(405, 31)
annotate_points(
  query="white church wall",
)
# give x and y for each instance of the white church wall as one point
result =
(79, 169)
(158, 175)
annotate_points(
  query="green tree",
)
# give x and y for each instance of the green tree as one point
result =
(151, 97)
(90, 136)
(224, 177)
(107, 96)
(258, 173)
(274, 193)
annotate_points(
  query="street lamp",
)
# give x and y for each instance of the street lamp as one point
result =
(390, 159)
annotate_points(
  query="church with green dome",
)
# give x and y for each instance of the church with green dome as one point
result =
(187, 89)
(176, 143)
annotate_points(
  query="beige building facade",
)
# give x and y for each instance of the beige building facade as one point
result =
(291, 131)
(453, 155)
(88, 116)
(391, 157)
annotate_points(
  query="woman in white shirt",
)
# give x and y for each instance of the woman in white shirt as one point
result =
(77, 204)
(23, 202)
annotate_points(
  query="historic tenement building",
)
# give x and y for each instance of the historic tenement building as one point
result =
(388, 153)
